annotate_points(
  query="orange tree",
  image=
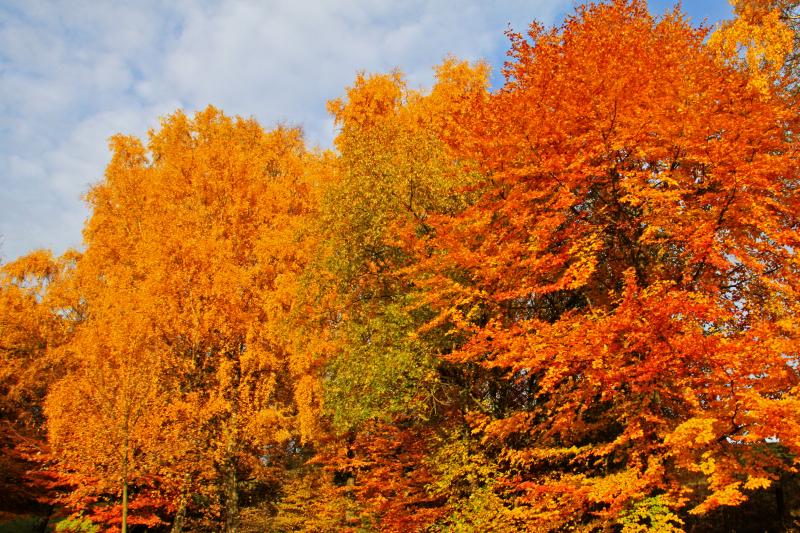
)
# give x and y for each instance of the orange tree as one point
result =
(192, 249)
(39, 311)
(105, 417)
(630, 269)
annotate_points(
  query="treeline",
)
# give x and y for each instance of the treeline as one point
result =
(567, 304)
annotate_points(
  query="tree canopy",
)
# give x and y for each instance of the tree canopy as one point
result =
(567, 303)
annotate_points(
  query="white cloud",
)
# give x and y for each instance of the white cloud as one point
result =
(74, 73)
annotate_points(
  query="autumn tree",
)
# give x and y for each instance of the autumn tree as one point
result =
(630, 270)
(106, 418)
(39, 311)
(199, 232)
(365, 368)
(764, 39)
(391, 168)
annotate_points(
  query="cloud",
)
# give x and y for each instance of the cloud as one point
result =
(74, 73)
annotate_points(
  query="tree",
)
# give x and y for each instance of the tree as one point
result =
(105, 418)
(39, 311)
(629, 269)
(392, 173)
(366, 372)
(192, 249)
(763, 39)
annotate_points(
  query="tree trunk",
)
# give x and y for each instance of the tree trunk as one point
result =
(230, 487)
(231, 495)
(125, 482)
(230, 492)
(180, 515)
(780, 502)
(124, 507)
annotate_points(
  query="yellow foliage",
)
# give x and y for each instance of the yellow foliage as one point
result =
(758, 40)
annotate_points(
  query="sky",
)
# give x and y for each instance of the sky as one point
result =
(74, 72)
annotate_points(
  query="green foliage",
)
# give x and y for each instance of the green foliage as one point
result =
(460, 467)
(468, 478)
(77, 524)
(385, 370)
(392, 173)
(651, 514)
(483, 510)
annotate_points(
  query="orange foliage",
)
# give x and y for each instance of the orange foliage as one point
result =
(383, 467)
(571, 303)
(192, 250)
(38, 313)
(630, 267)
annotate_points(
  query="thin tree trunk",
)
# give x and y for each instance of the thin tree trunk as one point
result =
(46, 520)
(780, 502)
(231, 494)
(180, 518)
(124, 507)
(229, 482)
(180, 515)
(125, 482)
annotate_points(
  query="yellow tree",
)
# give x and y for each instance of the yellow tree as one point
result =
(105, 418)
(38, 312)
(763, 39)
(201, 229)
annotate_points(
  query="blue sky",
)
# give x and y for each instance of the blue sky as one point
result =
(73, 73)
